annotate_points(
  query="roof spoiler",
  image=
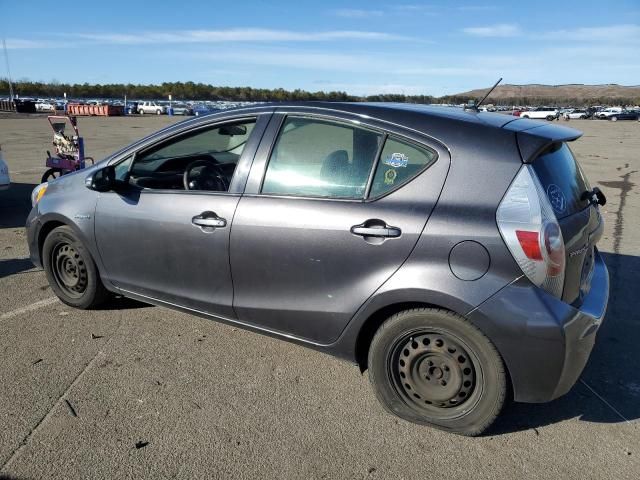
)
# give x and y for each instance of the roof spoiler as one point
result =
(534, 140)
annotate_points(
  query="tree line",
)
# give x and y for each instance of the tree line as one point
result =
(202, 91)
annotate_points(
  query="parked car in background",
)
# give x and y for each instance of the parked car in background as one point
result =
(608, 112)
(624, 115)
(45, 106)
(346, 228)
(5, 180)
(131, 107)
(546, 113)
(151, 107)
(576, 114)
(202, 109)
(181, 109)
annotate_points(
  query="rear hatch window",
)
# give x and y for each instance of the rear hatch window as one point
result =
(562, 179)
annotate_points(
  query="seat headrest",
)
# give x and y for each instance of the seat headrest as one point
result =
(335, 165)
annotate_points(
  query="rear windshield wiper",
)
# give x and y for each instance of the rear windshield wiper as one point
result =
(595, 197)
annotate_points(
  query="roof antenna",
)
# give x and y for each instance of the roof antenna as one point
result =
(472, 105)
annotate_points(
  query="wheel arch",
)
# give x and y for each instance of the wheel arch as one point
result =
(50, 221)
(45, 230)
(374, 317)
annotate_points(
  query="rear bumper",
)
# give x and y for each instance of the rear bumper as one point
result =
(544, 342)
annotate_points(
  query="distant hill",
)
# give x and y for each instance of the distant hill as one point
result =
(535, 93)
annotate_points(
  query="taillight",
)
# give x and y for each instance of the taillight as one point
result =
(531, 232)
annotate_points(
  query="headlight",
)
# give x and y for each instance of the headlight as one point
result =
(37, 193)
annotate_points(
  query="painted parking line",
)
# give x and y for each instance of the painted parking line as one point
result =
(605, 402)
(29, 308)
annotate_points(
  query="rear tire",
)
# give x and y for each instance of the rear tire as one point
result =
(141, 112)
(432, 367)
(614, 119)
(71, 271)
(525, 116)
(51, 174)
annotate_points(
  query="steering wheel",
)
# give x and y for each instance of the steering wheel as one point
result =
(204, 175)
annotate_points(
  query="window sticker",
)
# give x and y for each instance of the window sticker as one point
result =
(397, 160)
(556, 198)
(390, 176)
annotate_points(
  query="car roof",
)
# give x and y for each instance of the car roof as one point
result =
(443, 123)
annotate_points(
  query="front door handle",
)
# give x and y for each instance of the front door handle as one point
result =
(209, 220)
(376, 229)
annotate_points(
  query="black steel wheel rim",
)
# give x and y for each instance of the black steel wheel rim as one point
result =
(435, 373)
(69, 269)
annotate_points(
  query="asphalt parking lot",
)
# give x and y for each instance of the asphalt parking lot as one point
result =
(135, 391)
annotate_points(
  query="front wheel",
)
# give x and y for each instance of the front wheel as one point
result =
(71, 272)
(432, 367)
(525, 116)
(614, 119)
(158, 112)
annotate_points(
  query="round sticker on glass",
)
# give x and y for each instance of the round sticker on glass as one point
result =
(556, 198)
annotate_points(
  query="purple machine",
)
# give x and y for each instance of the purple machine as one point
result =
(69, 150)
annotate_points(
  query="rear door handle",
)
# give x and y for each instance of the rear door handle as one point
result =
(367, 230)
(209, 220)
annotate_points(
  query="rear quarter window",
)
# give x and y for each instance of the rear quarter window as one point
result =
(562, 179)
(399, 163)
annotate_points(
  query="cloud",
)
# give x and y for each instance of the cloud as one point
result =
(613, 33)
(498, 30)
(19, 43)
(416, 9)
(357, 13)
(235, 35)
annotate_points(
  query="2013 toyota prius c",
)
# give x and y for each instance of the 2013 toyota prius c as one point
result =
(452, 253)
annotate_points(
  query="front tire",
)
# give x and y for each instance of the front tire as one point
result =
(432, 367)
(72, 273)
(614, 119)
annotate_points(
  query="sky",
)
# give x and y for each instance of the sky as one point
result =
(361, 47)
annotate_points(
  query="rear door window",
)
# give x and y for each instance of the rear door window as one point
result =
(320, 158)
(562, 179)
(399, 162)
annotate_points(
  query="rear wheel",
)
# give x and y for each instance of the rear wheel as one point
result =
(51, 174)
(71, 271)
(550, 117)
(525, 116)
(142, 112)
(432, 367)
(614, 119)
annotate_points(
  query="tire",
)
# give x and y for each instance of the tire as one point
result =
(550, 118)
(583, 117)
(141, 112)
(51, 174)
(158, 112)
(458, 377)
(614, 119)
(71, 272)
(525, 116)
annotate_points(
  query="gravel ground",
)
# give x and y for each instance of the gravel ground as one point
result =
(135, 391)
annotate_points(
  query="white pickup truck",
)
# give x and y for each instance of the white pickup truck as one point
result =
(150, 107)
(608, 112)
(547, 113)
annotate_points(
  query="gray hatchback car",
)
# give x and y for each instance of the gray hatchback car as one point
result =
(451, 253)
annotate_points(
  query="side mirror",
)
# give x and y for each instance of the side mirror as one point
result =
(102, 180)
